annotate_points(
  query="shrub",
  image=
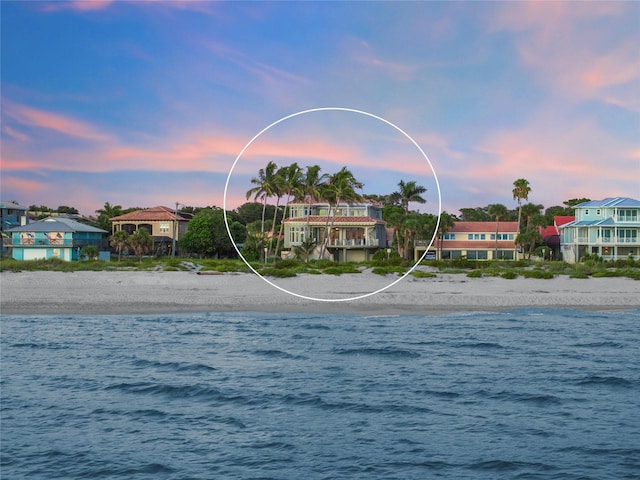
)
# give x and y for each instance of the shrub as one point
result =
(340, 269)
(537, 273)
(288, 263)
(388, 269)
(578, 275)
(474, 274)
(277, 272)
(510, 275)
(423, 274)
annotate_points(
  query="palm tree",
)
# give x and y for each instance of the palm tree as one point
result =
(311, 189)
(341, 187)
(394, 216)
(141, 242)
(291, 186)
(447, 222)
(497, 211)
(118, 241)
(409, 192)
(305, 249)
(521, 190)
(529, 211)
(264, 187)
(412, 225)
(107, 212)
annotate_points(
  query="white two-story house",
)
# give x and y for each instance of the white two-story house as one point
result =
(609, 228)
(355, 230)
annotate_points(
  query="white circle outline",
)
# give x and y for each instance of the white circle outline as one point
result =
(322, 109)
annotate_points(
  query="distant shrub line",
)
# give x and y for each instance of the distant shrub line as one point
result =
(379, 265)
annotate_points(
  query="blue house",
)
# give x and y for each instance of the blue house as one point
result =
(11, 215)
(53, 237)
(609, 228)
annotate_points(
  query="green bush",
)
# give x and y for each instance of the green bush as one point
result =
(578, 275)
(288, 263)
(537, 274)
(423, 274)
(509, 274)
(277, 272)
(341, 268)
(388, 269)
(474, 274)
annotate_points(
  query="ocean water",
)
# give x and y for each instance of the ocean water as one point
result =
(526, 394)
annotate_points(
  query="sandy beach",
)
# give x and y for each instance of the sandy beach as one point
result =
(135, 292)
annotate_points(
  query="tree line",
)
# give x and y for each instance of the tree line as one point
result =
(257, 223)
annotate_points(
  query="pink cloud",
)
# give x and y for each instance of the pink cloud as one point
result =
(77, 5)
(565, 45)
(25, 187)
(66, 125)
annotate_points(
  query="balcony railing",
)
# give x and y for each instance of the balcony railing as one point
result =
(605, 241)
(56, 242)
(355, 243)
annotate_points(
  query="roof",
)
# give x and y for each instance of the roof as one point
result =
(156, 214)
(483, 227)
(560, 220)
(57, 224)
(339, 220)
(610, 202)
(13, 205)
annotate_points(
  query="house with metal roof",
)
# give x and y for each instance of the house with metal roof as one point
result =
(609, 228)
(54, 237)
(352, 231)
(11, 215)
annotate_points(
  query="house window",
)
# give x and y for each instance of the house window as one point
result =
(165, 227)
(296, 235)
(449, 236)
(586, 212)
(628, 235)
(598, 212)
(628, 215)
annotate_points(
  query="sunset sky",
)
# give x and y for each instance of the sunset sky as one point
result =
(150, 103)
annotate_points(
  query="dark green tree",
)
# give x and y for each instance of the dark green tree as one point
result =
(106, 213)
(119, 241)
(140, 242)
(498, 212)
(408, 192)
(521, 190)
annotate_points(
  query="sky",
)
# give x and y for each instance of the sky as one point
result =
(151, 103)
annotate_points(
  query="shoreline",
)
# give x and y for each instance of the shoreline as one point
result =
(149, 292)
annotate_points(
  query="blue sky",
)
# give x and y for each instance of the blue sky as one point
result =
(149, 103)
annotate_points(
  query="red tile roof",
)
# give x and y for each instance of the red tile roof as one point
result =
(159, 213)
(563, 219)
(480, 227)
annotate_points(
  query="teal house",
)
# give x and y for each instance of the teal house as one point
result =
(54, 237)
(608, 228)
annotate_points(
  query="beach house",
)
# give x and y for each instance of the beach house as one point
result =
(54, 237)
(163, 224)
(609, 228)
(477, 241)
(11, 215)
(355, 231)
